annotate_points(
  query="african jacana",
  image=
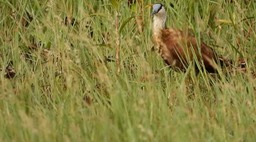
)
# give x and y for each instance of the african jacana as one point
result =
(179, 48)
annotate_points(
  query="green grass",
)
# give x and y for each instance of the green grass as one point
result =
(145, 101)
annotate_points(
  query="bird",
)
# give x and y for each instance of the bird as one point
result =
(180, 48)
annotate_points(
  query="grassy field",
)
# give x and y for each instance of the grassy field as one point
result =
(84, 71)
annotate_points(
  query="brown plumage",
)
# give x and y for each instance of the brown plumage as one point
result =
(180, 48)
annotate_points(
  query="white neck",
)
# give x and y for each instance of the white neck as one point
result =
(158, 23)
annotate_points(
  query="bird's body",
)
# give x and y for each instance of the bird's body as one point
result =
(180, 48)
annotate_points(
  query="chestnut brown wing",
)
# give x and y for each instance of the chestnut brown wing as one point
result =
(180, 48)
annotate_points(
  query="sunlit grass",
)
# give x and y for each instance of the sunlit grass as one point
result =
(67, 88)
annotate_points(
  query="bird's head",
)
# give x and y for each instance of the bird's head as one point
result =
(158, 10)
(159, 17)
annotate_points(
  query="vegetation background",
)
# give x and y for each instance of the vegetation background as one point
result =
(83, 70)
